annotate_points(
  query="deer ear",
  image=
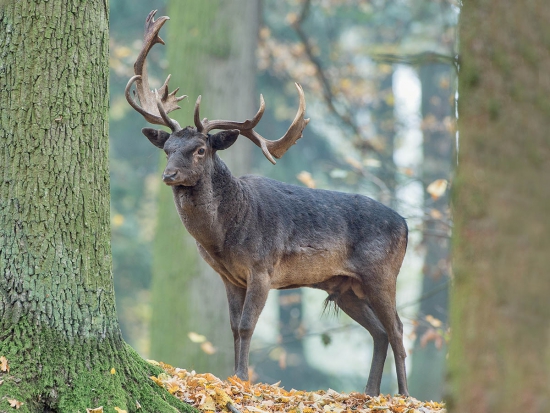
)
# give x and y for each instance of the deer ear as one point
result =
(224, 139)
(156, 136)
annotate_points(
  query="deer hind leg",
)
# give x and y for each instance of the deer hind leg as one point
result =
(382, 301)
(360, 311)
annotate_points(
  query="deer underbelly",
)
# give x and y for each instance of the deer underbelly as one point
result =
(309, 266)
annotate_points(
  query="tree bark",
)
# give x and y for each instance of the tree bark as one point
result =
(211, 49)
(58, 327)
(499, 353)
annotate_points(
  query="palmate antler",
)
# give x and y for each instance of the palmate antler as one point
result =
(154, 106)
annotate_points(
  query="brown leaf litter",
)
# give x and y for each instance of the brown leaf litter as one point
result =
(210, 394)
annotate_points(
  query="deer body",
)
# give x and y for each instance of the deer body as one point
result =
(259, 234)
(307, 236)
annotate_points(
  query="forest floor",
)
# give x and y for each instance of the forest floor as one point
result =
(211, 394)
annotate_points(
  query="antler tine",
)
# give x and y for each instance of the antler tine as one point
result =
(206, 126)
(171, 123)
(294, 132)
(148, 106)
(196, 116)
(269, 148)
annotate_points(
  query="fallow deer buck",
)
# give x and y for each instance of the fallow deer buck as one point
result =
(259, 234)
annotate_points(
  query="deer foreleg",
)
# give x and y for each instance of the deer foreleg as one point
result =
(256, 296)
(235, 299)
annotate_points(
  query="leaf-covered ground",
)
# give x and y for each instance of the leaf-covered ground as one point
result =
(210, 394)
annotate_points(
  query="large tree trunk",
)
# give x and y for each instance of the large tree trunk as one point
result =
(500, 306)
(211, 50)
(428, 359)
(58, 327)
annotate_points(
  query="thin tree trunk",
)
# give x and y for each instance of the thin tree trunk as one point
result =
(58, 327)
(383, 115)
(499, 357)
(211, 50)
(428, 361)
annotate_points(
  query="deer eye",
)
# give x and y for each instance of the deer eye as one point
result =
(201, 151)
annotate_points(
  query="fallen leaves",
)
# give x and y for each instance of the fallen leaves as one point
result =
(5, 368)
(15, 403)
(210, 394)
(4, 364)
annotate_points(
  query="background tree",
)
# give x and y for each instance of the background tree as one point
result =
(211, 50)
(427, 379)
(58, 328)
(134, 175)
(499, 354)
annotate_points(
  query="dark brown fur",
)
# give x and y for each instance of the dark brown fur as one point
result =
(260, 234)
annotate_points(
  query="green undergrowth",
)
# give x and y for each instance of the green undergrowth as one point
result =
(49, 374)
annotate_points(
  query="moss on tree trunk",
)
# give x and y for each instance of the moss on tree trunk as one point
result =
(500, 306)
(58, 327)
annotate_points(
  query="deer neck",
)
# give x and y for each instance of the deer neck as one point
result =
(210, 207)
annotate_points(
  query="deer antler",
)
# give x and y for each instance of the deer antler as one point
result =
(269, 148)
(154, 106)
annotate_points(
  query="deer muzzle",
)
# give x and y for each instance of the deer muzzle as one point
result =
(169, 176)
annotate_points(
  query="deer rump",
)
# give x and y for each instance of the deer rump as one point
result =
(304, 237)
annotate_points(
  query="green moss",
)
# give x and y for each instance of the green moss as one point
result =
(47, 369)
(494, 109)
(471, 76)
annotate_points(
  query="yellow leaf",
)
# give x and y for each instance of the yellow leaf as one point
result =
(433, 321)
(4, 364)
(117, 220)
(354, 163)
(122, 51)
(196, 338)
(113, 371)
(255, 409)
(208, 348)
(172, 388)
(375, 163)
(16, 404)
(95, 410)
(291, 18)
(265, 32)
(436, 214)
(119, 410)
(306, 178)
(208, 404)
(437, 188)
(157, 380)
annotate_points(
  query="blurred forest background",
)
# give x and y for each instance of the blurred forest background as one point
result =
(380, 83)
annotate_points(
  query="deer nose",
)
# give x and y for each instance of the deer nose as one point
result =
(168, 176)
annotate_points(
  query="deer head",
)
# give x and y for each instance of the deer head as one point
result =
(190, 150)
